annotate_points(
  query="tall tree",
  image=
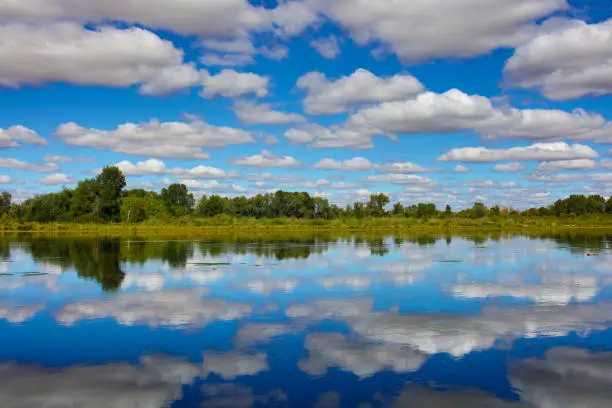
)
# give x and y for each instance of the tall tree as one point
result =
(178, 199)
(111, 182)
(5, 202)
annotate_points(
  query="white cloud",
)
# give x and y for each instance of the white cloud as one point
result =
(320, 137)
(54, 158)
(214, 185)
(509, 167)
(571, 60)
(251, 113)
(455, 111)
(354, 164)
(457, 335)
(560, 290)
(171, 308)
(535, 152)
(158, 167)
(328, 47)
(460, 168)
(398, 179)
(105, 56)
(156, 139)
(230, 84)
(419, 30)
(4, 179)
(327, 97)
(18, 164)
(490, 184)
(151, 166)
(265, 159)
(328, 350)
(565, 377)
(211, 18)
(57, 179)
(402, 167)
(227, 60)
(580, 164)
(12, 136)
(154, 382)
(19, 313)
(234, 364)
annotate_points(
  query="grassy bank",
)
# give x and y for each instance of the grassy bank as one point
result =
(224, 224)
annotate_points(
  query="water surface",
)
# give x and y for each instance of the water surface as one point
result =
(370, 321)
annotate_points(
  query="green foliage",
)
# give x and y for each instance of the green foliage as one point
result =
(111, 182)
(178, 200)
(5, 203)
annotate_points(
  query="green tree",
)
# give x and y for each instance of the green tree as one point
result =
(398, 209)
(495, 210)
(376, 205)
(5, 202)
(448, 210)
(111, 182)
(480, 210)
(177, 199)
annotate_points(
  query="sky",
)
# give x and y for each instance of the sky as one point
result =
(445, 101)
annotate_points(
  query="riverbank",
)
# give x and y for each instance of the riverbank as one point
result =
(225, 225)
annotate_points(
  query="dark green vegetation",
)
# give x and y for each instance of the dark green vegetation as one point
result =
(104, 200)
(103, 259)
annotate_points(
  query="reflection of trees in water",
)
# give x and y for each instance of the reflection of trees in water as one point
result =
(297, 248)
(100, 259)
(96, 259)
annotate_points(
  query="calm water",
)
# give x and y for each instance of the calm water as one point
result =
(348, 322)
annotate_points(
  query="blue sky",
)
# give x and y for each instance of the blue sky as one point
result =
(445, 101)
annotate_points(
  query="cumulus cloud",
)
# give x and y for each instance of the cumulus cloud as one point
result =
(251, 113)
(155, 382)
(4, 179)
(19, 313)
(554, 289)
(566, 376)
(156, 139)
(569, 61)
(509, 167)
(456, 335)
(462, 30)
(12, 136)
(335, 96)
(402, 167)
(158, 167)
(535, 152)
(354, 164)
(171, 308)
(460, 168)
(265, 159)
(215, 18)
(560, 165)
(328, 47)
(19, 164)
(230, 84)
(57, 179)
(55, 158)
(234, 364)
(259, 333)
(82, 56)
(364, 359)
(320, 137)
(455, 111)
(398, 179)
(214, 186)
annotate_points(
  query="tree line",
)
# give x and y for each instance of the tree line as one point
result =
(105, 199)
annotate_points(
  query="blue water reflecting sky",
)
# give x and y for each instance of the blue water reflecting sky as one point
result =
(362, 321)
